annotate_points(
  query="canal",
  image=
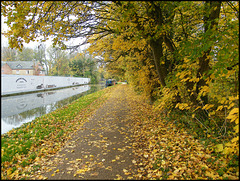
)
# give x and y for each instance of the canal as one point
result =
(19, 109)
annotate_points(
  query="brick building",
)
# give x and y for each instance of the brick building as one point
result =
(22, 68)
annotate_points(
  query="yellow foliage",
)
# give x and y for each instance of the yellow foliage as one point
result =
(183, 106)
(208, 106)
(234, 115)
(219, 148)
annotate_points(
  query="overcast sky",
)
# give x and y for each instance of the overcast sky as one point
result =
(3, 28)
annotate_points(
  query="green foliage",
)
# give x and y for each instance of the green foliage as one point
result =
(27, 54)
(83, 65)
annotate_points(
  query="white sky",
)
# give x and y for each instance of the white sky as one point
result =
(3, 28)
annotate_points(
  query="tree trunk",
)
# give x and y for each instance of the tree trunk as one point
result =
(157, 50)
(212, 11)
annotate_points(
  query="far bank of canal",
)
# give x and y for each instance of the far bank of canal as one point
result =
(19, 109)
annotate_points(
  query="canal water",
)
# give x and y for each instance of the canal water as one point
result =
(19, 109)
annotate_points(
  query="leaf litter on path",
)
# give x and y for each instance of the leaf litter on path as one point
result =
(101, 149)
(126, 139)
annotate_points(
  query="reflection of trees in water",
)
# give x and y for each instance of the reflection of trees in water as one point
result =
(15, 120)
(27, 115)
(93, 89)
(45, 109)
(50, 107)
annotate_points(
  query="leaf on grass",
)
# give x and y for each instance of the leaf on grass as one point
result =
(231, 177)
(235, 139)
(219, 148)
(211, 175)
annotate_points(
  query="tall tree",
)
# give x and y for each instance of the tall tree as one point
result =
(58, 62)
(27, 54)
(8, 54)
(83, 65)
(40, 55)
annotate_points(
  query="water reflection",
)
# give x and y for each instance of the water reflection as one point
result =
(16, 110)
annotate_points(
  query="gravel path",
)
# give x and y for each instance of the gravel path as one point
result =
(102, 148)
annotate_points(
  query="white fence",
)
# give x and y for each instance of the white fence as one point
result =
(12, 84)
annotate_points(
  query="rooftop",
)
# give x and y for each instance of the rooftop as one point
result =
(19, 64)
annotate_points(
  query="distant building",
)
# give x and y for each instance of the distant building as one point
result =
(22, 68)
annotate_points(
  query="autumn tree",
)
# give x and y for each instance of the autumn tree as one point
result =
(34, 20)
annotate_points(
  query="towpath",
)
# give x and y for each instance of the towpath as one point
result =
(102, 148)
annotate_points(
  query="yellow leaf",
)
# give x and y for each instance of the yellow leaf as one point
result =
(145, 155)
(210, 174)
(231, 177)
(57, 170)
(232, 117)
(235, 139)
(228, 144)
(204, 165)
(208, 106)
(236, 128)
(226, 150)
(234, 110)
(207, 156)
(237, 121)
(124, 170)
(219, 108)
(37, 159)
(219, 148)
(182, 106)
(9, 171)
